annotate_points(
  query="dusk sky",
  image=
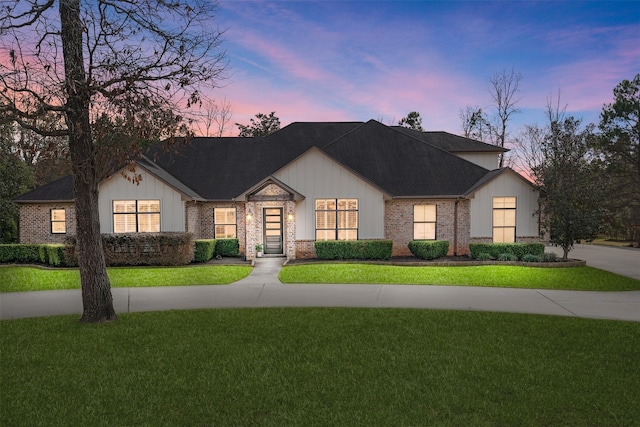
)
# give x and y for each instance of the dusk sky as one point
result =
(361, 60)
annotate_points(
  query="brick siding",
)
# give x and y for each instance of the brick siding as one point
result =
(35, 222)
(398, 223)
(305, 249)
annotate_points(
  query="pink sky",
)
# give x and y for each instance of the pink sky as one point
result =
(343, 61)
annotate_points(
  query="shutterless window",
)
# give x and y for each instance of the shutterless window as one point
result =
(336, 219)
(224, 221)
(424, 222)
(136, 216)
(58, 221)
(504, 219)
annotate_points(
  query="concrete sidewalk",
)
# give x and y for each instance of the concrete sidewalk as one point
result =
(262, 289)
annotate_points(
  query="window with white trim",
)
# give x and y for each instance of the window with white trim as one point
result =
(224, 223)
(136, 216)
(58, 221)
(504, 219)
(336, 219)
(424, 222)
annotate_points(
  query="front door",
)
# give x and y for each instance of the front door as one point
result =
(272, 234)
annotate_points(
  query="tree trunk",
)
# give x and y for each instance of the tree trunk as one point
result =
(97, 302)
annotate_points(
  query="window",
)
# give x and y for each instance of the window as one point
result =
(424, 222)
(58, 221)
(136, 216)
(336, 219)
(224, 223)
(504, 219)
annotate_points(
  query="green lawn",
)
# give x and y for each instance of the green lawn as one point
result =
(279, 367)
(578, 278)
(16, 279)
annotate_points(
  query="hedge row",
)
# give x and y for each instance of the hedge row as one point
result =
(495, 250)
(429, 249)
(169, 248)
(52, 254)
(354, 249)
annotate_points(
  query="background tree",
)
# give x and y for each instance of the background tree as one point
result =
(493, 129)
(475, 124)
(620, 145)
(262, 125)
(16, 177)
(570, 181)
(412, 121)
(503, 88)
(214, 119)
(141, 63)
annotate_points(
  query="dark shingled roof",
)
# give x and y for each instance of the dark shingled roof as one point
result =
(450, 142)
(402, 165)
(60, 190)
(400, 161)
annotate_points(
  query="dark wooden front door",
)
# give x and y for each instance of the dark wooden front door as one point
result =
(272, 231)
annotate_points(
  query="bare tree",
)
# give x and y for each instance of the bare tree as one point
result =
(215, 118)
(530, 142)
(136, 65)
(503, 88)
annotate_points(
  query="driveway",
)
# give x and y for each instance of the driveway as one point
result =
(624, 261)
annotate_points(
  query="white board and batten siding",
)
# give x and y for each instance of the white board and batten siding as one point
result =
(316, 176)
(507, 184)
(488, 161)
(172, 209)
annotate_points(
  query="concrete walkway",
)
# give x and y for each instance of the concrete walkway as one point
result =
(262, 289)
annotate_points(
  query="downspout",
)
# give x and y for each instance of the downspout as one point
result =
(455, 228)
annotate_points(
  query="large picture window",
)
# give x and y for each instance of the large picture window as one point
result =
(424, 222)
(136, 216)
(336, 219)
(504, 219)
(58, 221)
(224, 223)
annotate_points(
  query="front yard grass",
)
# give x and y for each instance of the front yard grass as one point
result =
(578, 278)
(18, 279)
(275, 367)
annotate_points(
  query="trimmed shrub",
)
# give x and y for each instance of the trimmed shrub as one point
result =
(429, 249)
(27, 253)
(354, 249)
(52, 254)
(549, 257)
(203, 249)
(497, 249)
(56, 255)
(507, 257)
(227, 247)
(170, 248)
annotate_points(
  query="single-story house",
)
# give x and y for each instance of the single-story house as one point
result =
(308, 182)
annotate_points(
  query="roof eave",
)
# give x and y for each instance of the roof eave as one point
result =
(43, 201)
(441, 196)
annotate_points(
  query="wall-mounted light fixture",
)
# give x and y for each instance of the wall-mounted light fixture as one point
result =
(290, 217)
(249, 217)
